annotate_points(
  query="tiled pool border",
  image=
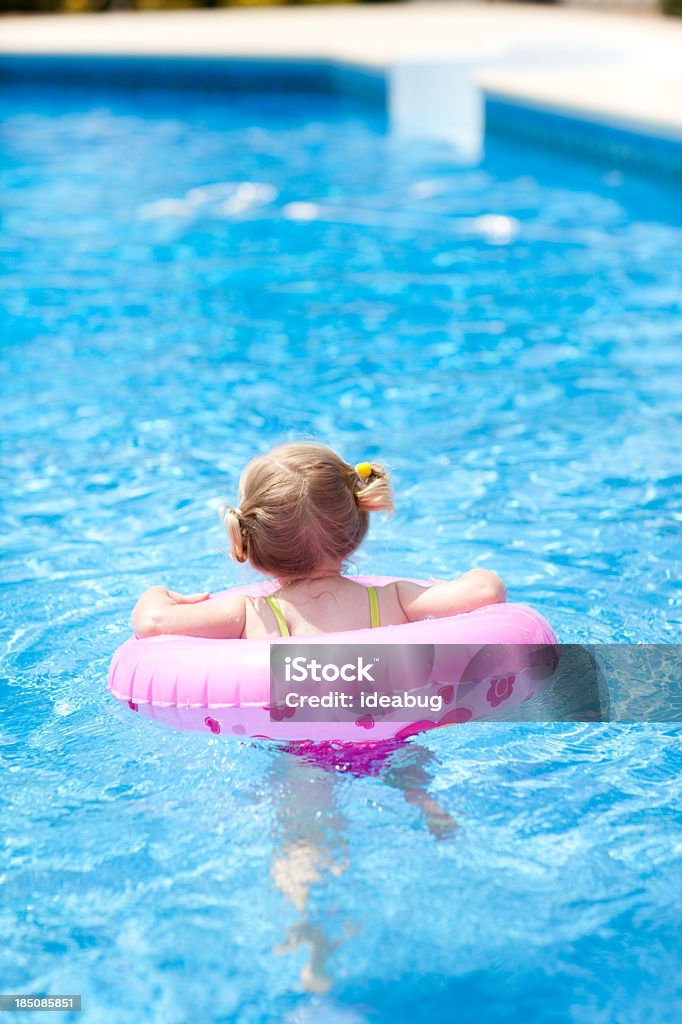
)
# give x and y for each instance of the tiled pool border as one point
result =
(207, 73)
(646, 149)
(643, 149)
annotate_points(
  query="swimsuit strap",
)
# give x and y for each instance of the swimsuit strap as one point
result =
(277, 612)
(373, 607)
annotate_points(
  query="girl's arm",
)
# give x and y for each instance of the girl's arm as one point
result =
(472, 590)
(163, 611)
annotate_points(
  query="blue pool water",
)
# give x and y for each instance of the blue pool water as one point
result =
(188, 280)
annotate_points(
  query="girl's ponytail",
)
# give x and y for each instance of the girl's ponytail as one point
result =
(373, 491)
(232, 518)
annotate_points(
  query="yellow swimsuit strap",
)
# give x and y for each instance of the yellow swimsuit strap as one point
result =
(277, 612)
(373, 607)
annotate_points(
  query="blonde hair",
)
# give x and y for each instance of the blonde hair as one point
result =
(302, 507)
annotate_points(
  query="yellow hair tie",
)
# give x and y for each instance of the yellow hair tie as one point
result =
(364, 470)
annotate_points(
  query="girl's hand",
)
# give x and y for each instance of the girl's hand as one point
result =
(186, 598)
(150, 611)
(165, 611)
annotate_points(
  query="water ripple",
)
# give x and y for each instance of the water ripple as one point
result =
(506, 339)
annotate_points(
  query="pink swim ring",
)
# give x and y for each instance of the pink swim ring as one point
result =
(223, 686)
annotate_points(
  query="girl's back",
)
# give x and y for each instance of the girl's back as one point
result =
(329, 604)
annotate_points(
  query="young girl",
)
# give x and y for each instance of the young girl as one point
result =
(302, 513)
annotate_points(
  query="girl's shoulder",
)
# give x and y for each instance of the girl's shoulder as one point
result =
(260, 619)
(391, 597)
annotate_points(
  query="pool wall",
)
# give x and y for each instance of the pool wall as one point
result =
(205, 73)
(646, 152)
(462, 117)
